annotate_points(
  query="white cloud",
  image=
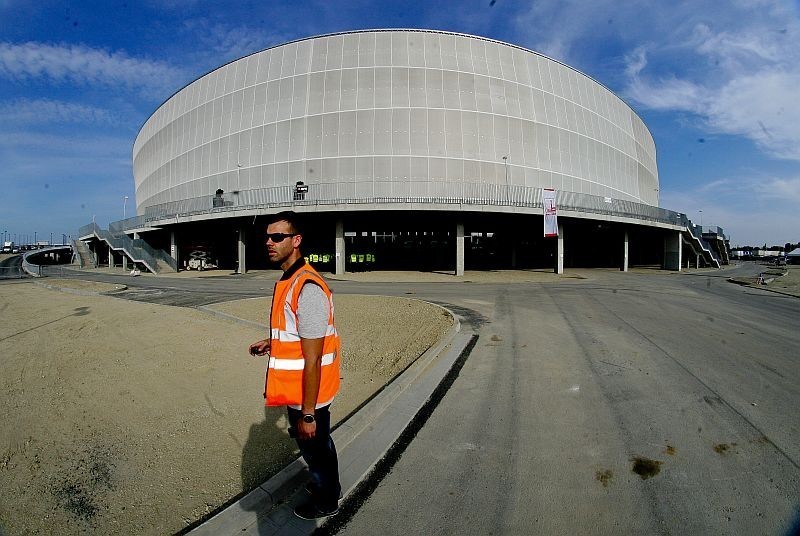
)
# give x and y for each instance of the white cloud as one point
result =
(21, 142)
(748, 209)
(42, 111)
(760, 105)
(780, 189)
(735, 67)
(745, 82)
(231, 42)
(763, 107)
(554, 48)
(83, 65)
(737, 49)
(561, 28)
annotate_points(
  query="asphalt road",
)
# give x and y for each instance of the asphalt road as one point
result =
(624, 404)
(637, 404)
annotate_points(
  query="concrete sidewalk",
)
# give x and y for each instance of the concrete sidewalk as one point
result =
(366, 442)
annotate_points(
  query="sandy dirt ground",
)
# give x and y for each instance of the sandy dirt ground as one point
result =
(789, 280)
(123, 417)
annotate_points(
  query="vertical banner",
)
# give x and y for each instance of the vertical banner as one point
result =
(550, 212)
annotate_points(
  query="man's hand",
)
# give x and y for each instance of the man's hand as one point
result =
(306, 430)
(260, 347)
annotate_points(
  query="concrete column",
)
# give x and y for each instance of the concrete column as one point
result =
(673, 245)
(173, 248)
(460, 249)
(242, 251)
(697, 260)
(560, 250)
(110, 258)
(339, 247)
(124, 261)
(625, 253)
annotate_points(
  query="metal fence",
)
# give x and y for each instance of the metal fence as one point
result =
(11, 272)
(47, 270)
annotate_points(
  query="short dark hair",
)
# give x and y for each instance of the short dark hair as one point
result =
(290, 217)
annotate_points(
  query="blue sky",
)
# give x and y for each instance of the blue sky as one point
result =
(717, 82)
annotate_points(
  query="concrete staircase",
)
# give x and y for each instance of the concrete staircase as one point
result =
(83, 255)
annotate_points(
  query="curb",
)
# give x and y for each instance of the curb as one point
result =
(369, 442)
(77, 291)
(762, 287)
(231, 318)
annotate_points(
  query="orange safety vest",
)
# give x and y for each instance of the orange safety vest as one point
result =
(284, 385)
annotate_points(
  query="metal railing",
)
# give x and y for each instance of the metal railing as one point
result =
(412, 192)
(713, 230)
(136, 249)
(708, 251)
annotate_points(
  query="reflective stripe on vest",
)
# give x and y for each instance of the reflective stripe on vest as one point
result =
(297, 364)
(286, 336)
(284, 385)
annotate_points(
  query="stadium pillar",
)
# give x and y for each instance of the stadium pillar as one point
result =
(673, 245)
(560, 250)
(697, 260)
(110, 257)
(241, 248)
(173, 248)
(339, 257)
(625, 253)
(124, 260)
(460, 249)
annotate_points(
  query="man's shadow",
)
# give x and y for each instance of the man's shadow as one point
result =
(267, 451)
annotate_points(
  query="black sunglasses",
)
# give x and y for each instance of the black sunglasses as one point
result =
(279, 237)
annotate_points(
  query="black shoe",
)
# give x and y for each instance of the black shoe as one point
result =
(312, 489)
(311, 511)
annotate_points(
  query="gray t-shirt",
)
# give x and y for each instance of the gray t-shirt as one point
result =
(312, 320)
(312, 312)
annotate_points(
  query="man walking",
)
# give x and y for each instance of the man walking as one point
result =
(303, 372)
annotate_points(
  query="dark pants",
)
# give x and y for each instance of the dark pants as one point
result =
(320, 455)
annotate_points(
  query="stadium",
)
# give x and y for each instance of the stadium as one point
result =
(404, 149)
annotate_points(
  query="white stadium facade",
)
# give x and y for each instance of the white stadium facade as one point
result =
(403, 149)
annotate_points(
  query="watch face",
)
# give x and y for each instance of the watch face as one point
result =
(308, 418)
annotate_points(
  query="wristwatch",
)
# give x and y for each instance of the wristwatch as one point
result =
(308, 418)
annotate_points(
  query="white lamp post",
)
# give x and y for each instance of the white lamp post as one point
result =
(124, 207)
